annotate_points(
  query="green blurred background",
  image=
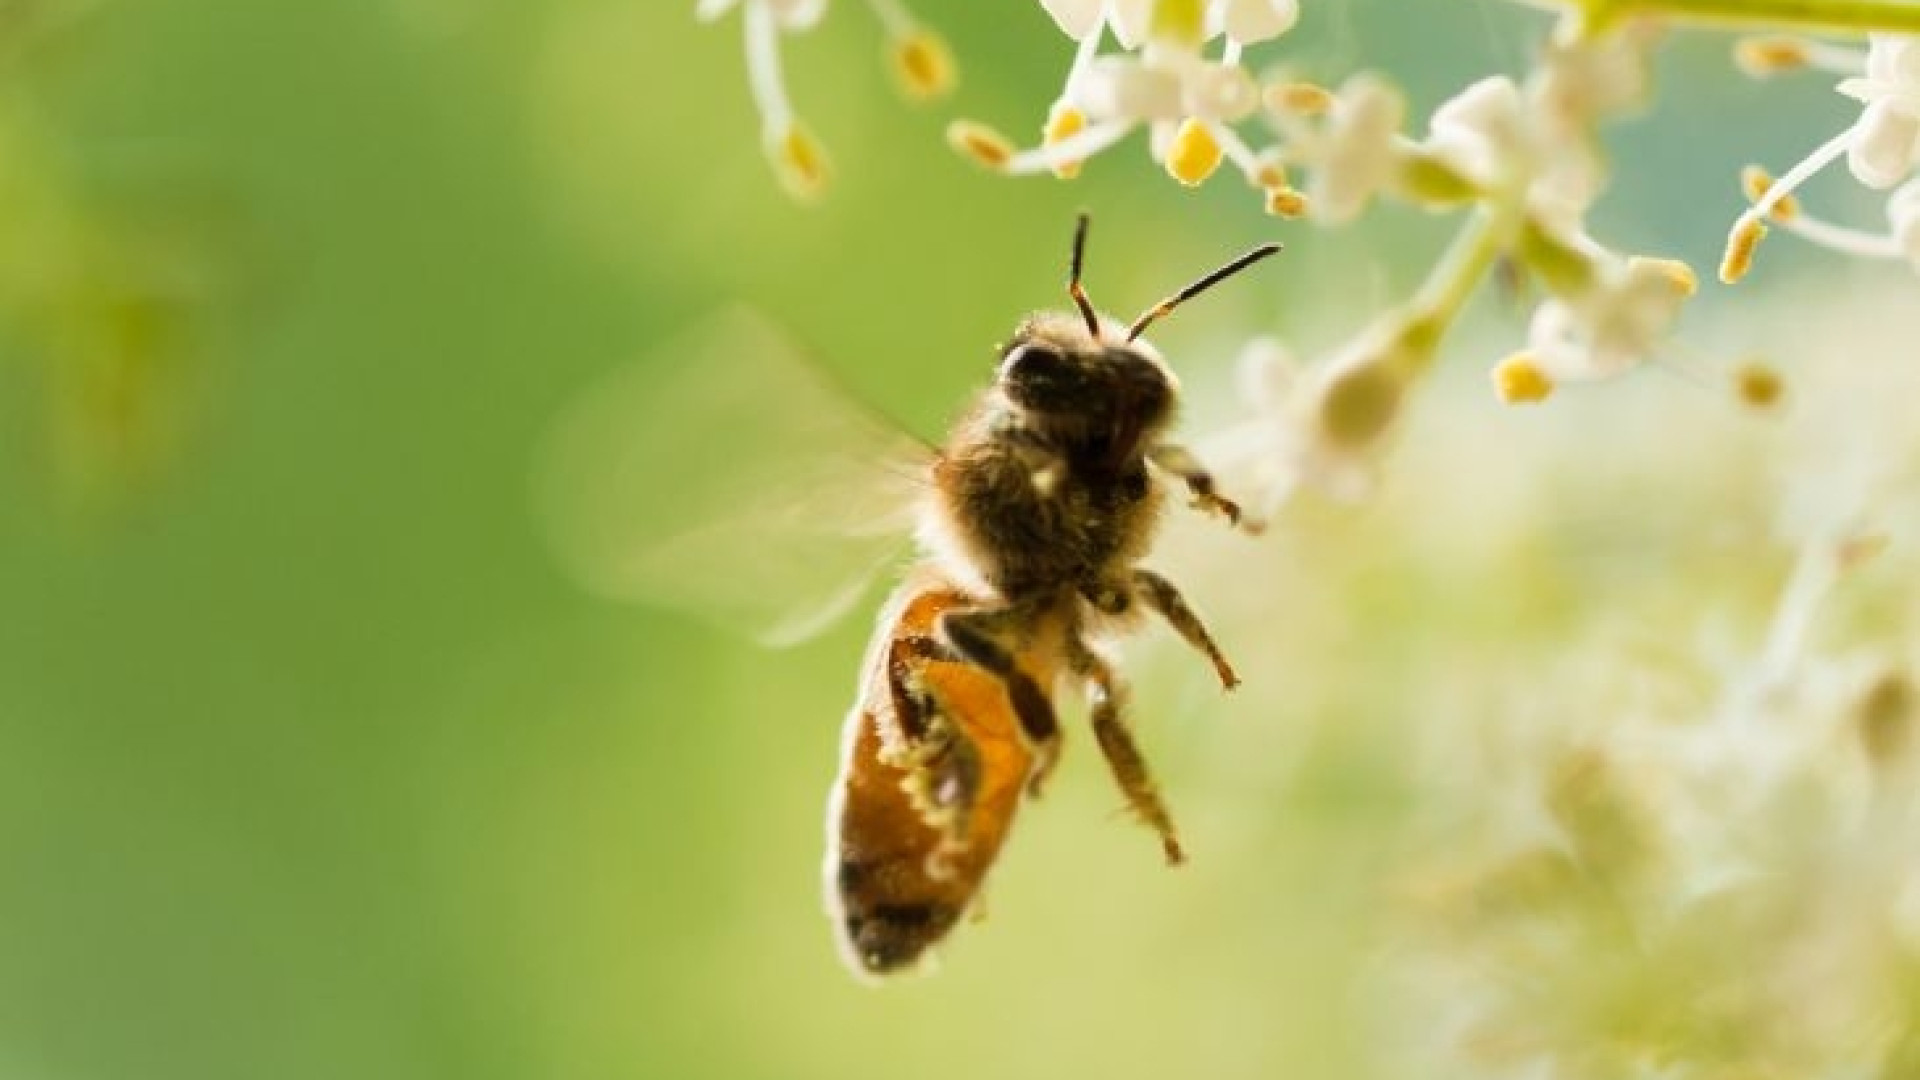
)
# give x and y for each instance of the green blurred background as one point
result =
(312, 764)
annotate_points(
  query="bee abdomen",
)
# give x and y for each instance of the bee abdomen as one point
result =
(887, 935)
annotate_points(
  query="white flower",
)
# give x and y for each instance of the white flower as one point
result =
(1481, 132)
(1185, 100)
(1615, 324)
(1882, 150)
(1284, 448)
(1242, 21)
(1882, 147)
(1353, 154)
(1248, 21)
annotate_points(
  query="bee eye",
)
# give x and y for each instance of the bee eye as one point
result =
(1028, 362)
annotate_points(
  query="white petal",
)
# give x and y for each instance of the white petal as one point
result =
(709, 10)
(1882, 150)
(1358, 148)
(1076, 18)
(1221, 92)
(1892, 58)
(1129, 19)
(1480, 131)
(1120, 87)
(1267, 375)
(1248, 21)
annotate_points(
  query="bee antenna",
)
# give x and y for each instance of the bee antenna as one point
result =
(1161, 309)
(1074, 288)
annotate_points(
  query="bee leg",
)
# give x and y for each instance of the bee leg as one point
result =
(1108, 695)
(1161, 595)
(941, 760)
(1179, 461)
(973, 635)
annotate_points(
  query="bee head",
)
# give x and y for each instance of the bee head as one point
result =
(1080, 369)
(1055, 372)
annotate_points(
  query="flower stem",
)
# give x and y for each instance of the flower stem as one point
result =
(1812, 16)
(1452, 281)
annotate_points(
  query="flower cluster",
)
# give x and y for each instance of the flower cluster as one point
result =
(921, 62)
(1523, 159)
(1881, 146)
(1163, 80)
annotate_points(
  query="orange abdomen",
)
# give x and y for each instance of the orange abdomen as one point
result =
(897, 878)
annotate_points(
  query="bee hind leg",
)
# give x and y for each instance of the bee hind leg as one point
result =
(941, 761)
(1108, 697)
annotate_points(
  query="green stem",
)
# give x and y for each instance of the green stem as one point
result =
(1453, 280)
(1811, 16)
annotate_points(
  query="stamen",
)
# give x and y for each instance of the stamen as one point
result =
(1270, 171)
(1237, 151)
(1298, 98)
(1762, 57)
(1074, 148)
(1684, 280)
(922, 65)
(799, 161)
(1063, 122)
(1848, 241)
(1287, 203)
(1758, 386)
(1083, 57)
(1519, 379)
(1738, 258)
(763, 69)
(981, 143)
(1747, 230)
(1756, 181)
(1194, 153)
(1766, 56)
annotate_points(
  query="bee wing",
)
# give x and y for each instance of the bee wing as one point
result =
(724, 474)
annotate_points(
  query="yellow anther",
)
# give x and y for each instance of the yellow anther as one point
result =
(1758, 386)
(799, 161)
(1194, 153)
(1685, 281)
(1271, 174)
(1063, 122)
(1755, 181)
(1286, 202)
(981, 143)
(1770, 55)
(1741, 243)
(1519, 379)
(922, 64)
(1300, 98)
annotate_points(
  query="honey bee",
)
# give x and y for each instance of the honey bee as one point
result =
(1031, 522)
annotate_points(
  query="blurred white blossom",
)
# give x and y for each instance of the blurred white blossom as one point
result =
(1881, 147)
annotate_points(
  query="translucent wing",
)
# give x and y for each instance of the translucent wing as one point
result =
(725, 475)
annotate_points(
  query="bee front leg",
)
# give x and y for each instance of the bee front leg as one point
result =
(1179, 461)
(1161, 595)
(975, 636)
(1107, 695)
